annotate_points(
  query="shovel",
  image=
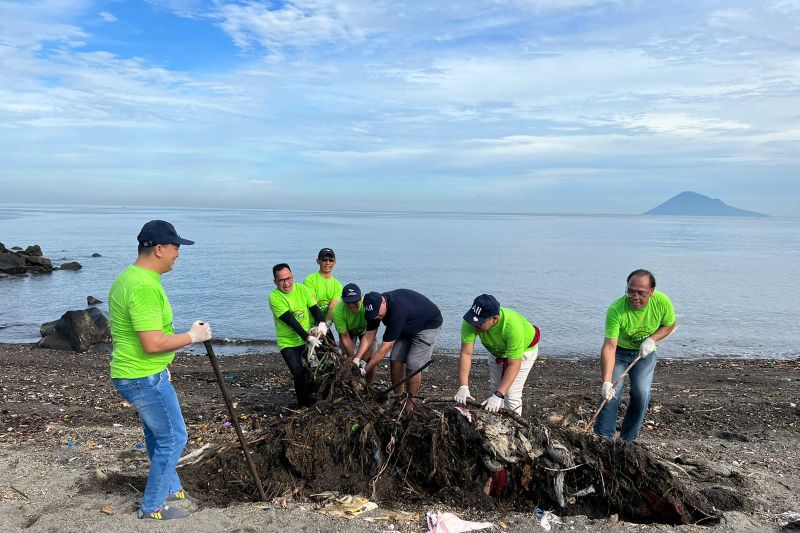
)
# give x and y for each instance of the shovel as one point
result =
(590, 423)
(235, 420)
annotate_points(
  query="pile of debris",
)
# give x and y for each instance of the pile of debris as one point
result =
(352, 442)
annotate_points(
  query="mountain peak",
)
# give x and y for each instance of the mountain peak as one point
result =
(690, 203)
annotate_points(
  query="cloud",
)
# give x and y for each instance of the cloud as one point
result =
(108, 17)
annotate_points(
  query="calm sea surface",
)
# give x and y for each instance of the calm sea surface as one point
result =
(733, 281)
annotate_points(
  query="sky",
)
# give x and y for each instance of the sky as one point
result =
(544, 106)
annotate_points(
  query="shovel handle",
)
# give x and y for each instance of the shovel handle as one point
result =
(235, 420)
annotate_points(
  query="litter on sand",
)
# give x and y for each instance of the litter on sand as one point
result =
(347, 507)
(450, 523)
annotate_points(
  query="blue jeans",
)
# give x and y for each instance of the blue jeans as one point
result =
(164, 433)
(641, 378)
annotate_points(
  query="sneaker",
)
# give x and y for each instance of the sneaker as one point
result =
(165, 513)
(182, 496)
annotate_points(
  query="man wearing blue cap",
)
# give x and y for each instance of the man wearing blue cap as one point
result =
(350, 322)
(513, 345)
(413, 323)
(144, 345)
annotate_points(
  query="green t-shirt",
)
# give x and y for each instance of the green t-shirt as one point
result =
(631, 326)
(324, 290)
(353, 323)
(297, 301)
(507, 339)
(137, 302)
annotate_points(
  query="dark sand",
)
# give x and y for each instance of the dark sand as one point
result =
(740, 415)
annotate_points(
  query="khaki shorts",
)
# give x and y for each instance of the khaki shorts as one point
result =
(416, 350)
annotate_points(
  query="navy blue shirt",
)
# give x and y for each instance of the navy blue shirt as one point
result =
(407, 313)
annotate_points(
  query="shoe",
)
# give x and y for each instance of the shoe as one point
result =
(182, 496)
(165, 513)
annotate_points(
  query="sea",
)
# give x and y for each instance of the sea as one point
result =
(733, 281)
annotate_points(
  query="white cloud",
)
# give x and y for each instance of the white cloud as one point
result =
(108, 17)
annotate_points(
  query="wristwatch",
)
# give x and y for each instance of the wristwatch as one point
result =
(500, 395)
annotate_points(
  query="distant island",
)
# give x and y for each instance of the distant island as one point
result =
(692, 204)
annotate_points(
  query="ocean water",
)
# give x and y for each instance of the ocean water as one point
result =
(733, 281)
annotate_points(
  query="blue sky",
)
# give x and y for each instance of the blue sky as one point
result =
(576, 106)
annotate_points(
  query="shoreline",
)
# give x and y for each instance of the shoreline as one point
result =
(253, 347)
(62, 427)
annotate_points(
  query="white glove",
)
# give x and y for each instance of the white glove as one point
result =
(360, 365)
(608, 391)
(492, 403)
(313, 342)
(200, 331)
(322, 328)
(329, 323)
(462, 395)
(647, 347)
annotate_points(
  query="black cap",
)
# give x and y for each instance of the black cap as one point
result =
(351, 293)
(483, 307)
(372, 305)
(326, 252)
(160, 232)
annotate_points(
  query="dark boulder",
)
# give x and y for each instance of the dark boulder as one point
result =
(22, 262)
(76, 330)
(34, 250)
(96, 255)
(91, 300)
(16, 248)
(72, 265)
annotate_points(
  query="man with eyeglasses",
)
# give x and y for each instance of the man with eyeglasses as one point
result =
(325, 288)
(350, 322)
(293, 305)
(144, 344)
(413, 323)
(634, 324)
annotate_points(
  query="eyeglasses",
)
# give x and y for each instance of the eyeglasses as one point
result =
(327, 260)
(634, 293)
(284, 280)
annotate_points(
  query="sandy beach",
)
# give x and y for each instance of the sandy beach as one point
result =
(72, 458)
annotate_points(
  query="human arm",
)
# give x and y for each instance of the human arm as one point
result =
(331, 308)
(464, 366)
(291, 321)
(385, 348)
(608, 354)
(347, 344)
(156, 341)
(366, 342)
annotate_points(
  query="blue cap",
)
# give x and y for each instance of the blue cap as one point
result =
(483, 307)
(351, 293)
(160, 232)
(372, 305)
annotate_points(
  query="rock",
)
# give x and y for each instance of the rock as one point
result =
(39, 260)
(11, 263)
(72, 265)
(76, 330)
(15, 248)
(91, 300)
(2, 247)
(34, 250)
(96, 255)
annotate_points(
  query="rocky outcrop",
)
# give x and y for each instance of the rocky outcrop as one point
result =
(76, 330)
(17, 261)
(72, 265)
(91, 300)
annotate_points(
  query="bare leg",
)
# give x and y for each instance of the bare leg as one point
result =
(398, 371)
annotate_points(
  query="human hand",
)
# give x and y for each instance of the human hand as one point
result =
(493, 403)
(359, 366)
(322, 328)
(462, 395)
(607, 391)
(647, 347)
(200, 331)
(312, 341)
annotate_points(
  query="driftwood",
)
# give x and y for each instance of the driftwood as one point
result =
(440, 452)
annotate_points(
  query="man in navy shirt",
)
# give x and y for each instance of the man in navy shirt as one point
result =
(413, 323)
